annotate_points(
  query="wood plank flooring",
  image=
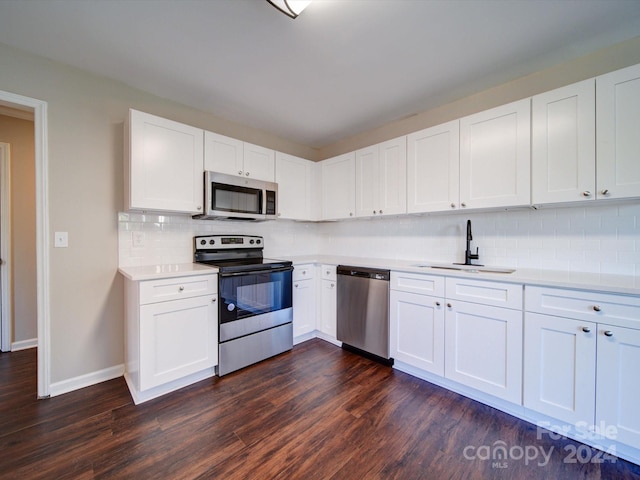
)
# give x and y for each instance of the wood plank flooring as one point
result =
(317, 412)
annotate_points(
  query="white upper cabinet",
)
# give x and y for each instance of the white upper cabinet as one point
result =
(296, 187)
(618, 141)
(381, 179)
(259, 162)
(433, 169)
(563, 159)
(164, 165)
(495, 157)
(338, 187)
(235, 157)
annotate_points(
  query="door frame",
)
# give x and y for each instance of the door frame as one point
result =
(5, 246)
(39, 109)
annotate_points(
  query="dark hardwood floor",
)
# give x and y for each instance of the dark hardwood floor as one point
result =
(317, 412)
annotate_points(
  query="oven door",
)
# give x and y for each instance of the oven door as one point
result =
(253, 301)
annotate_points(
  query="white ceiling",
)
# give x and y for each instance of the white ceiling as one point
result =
(341, 68)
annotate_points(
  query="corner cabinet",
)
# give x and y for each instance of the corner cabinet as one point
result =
(618, 142)
(297, 190)
(495, 157)
(563, 158)
(338, 182)
(171, 333)
(381, 179)
(164, 164)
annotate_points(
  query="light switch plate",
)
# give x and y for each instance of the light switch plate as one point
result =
(61, 239)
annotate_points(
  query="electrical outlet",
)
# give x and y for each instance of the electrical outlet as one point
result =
(61, 239)
(137, 239)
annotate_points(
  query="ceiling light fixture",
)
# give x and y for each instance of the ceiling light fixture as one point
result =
(293, 8)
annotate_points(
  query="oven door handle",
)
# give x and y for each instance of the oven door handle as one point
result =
(253, 272)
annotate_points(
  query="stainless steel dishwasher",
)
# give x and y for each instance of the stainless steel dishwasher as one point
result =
(363, 311)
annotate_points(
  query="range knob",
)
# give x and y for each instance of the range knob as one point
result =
(203, 242)
(258, 241)
(251, 242)
(212, 241)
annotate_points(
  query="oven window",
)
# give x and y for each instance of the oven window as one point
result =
(231, 198)
(252, 294)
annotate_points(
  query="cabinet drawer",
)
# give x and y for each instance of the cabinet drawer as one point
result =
(507, 295)
(329, 272)
(620, 310)
(418, 283)
(302, 272)
(153, 291)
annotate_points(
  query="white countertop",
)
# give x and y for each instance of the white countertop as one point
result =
(156, 272)
(622, 284)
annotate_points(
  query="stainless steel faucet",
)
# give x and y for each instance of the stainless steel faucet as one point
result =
(468, 256)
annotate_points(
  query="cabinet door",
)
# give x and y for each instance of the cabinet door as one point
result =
(392, 177)
(338, 187)
(177, 338)
(560, 367)
(165, 165)
(259, 162)
(433, 169)
(417, 330)
(304, 307)
(328, 306)
(223, 154)
(618, 389)
(295, 187)
(618, 142)
(483, 348)
(563, 160)
(367, 181)
(495, 157)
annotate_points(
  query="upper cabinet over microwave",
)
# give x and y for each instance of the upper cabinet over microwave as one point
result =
(235, 157)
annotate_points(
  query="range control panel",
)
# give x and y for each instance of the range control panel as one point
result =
(219, 242)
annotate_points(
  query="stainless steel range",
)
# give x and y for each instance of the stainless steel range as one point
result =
(255, 312)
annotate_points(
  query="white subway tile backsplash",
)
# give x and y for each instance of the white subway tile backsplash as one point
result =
(595, 238)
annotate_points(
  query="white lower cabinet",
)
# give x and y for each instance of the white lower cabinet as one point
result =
(171, 333)
(417, 330)
(618, 390)
(483, 348)
(328, 302)
(304, 301)
(582, 357)
(560, 367)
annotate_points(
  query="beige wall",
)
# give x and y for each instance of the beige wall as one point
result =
(20, 135)
(86, 115)
(602, 61)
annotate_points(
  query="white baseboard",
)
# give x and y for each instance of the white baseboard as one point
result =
(140, 397)
(86, 380)
(24, 344)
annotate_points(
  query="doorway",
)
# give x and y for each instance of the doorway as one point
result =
(39, 109)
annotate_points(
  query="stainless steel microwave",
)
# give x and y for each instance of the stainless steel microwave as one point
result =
(227, 197)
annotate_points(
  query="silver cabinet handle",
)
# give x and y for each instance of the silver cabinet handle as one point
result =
(437, 304)
(328, 272)
(333, 285)
(374, 212)
(296, 285)
(586, 193)
(586, 329)
(181, 288)
(304, 272)
(463, 204)
(199, 207)
(596, 308)
(453, 205)
(604, 191)
(449, 305)
(380, 212)
(247, 174)
(608, 333)
(213, 300)
(351, 214)
(239, 172)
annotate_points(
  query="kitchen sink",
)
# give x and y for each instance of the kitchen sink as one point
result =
(468, 268)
